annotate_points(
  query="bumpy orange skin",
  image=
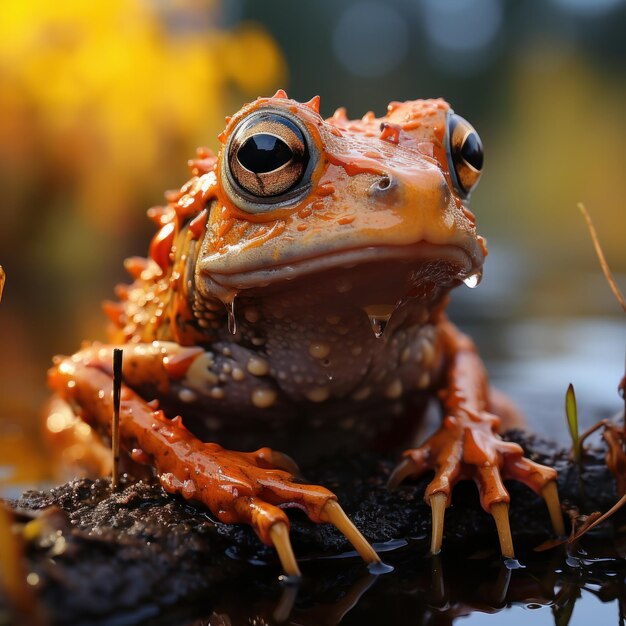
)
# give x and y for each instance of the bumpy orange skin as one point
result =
(205, 250)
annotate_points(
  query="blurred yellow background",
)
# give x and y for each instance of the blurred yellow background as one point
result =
(102, 103)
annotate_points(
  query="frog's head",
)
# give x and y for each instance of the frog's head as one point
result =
(367, 212)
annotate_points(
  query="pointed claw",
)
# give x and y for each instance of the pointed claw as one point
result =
(550, 494)
(500, 512)
(333, 513)
(402, 471)
(279, 533)
(285, 462)
(438, 507)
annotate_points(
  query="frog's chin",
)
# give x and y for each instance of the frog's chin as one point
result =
(365, 276)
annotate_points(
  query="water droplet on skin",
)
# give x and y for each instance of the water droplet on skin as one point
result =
(319, 350)
(258, 366)
(473, 280)
(378, 325)
(379, 315)
(263, 397)
(232, 320)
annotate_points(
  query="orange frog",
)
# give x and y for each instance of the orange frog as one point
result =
(294, 296)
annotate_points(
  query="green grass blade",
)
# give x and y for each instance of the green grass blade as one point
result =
(571, 410)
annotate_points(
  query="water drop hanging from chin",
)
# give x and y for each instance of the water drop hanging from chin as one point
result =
(232, 320)
(473, 280)
(378, 325)
(378, 316)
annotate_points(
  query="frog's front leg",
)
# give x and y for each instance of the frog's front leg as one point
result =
(467, 446)
(238, 487)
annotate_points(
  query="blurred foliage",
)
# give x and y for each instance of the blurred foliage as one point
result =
(101, 106)
(99, 100)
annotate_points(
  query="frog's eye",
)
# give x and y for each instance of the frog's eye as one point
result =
(268, 156)
(465, 154)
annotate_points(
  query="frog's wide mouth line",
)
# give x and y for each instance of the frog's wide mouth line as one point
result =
(349, 259)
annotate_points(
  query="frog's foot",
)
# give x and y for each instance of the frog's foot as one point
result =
(238, 487)
(469, 448)
(254, 488)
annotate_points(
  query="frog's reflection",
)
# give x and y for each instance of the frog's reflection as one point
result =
(420, 591)
(433, 592)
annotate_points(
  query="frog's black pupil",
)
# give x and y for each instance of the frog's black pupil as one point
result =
(263, 153)
(472, 151)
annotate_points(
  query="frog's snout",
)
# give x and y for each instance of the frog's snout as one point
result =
(394, 190)
(386, 189)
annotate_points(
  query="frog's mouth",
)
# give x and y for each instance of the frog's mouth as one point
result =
(383, 273)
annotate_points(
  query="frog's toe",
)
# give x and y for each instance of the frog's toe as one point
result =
(279, 460)
(542, 480)
(500, 513)
(550, 494)
(279, 533)
(413, 465)
(447, 468)
(333, 513)
(276, 489)
(272, 526)
(470, 451)
(438, 510)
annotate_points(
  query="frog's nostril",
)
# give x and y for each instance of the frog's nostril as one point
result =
(384, 183)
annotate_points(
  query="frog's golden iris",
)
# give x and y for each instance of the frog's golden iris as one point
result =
(268, 156)
(465, 153)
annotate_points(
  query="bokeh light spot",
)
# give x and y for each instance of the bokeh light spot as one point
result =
(462, 33)
(370, 39)
(462, 25)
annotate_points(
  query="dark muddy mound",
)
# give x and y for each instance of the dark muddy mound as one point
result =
(141, 555)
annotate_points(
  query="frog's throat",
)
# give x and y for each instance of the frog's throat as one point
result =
(462, 264)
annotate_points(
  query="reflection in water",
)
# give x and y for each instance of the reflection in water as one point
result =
(436, 591)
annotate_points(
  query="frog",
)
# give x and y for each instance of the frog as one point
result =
(293, 297)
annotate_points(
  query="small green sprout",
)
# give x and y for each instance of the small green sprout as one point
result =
(571, 410)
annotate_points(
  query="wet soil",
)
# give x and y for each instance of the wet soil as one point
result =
(142, 556)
